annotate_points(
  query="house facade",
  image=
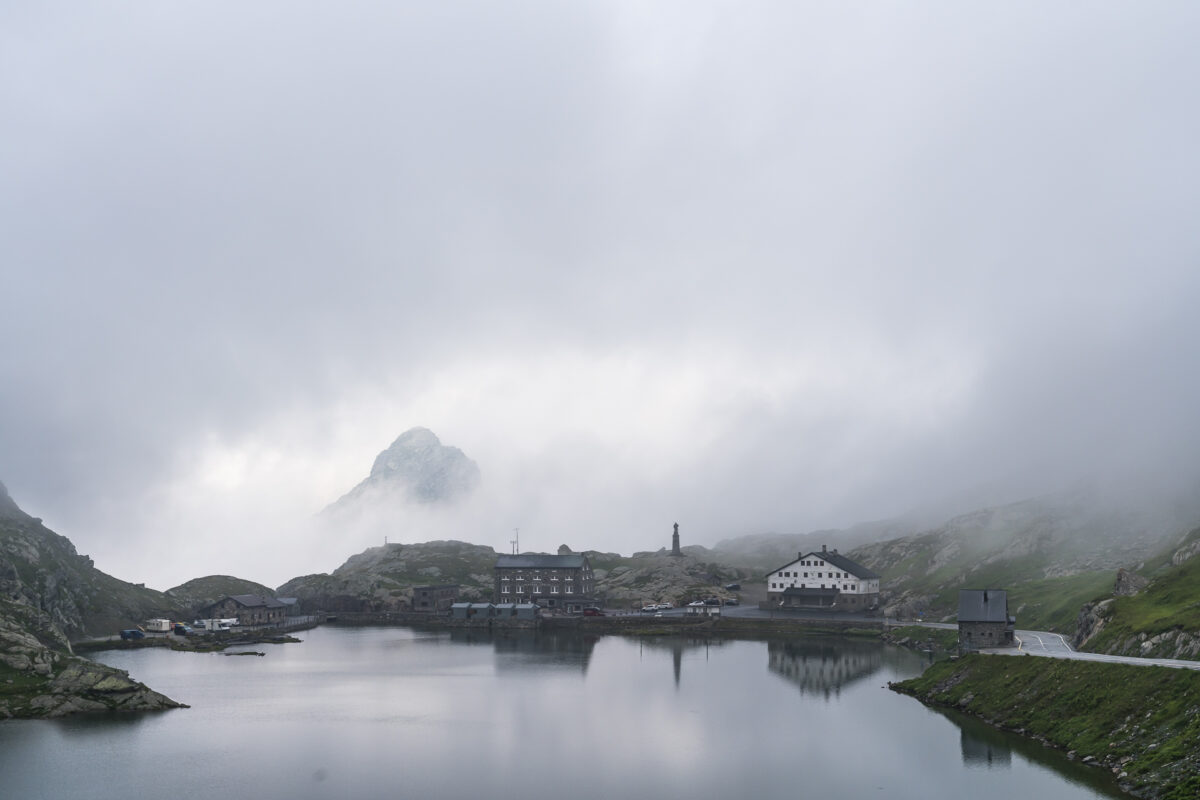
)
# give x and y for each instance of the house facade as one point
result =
(823, 580)
(249, 609)
(434, 599)
(984, 621)
(560, 582)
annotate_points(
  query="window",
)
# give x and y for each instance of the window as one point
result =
(570, 590)
(520, 588)
(503, 590)
(806, 574)
(553, 590)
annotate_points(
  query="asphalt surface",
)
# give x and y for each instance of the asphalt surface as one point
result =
(1054, 645)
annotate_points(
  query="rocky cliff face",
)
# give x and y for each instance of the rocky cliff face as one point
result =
(416, 468)
(49, 593)
(41, 569)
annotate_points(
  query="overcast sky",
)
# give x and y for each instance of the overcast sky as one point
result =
(745, 266)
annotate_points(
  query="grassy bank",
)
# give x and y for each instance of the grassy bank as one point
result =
(1142, 723)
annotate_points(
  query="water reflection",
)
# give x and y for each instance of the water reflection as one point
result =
(824, 667)
(678, 645)
(987, 749)
(514, 649)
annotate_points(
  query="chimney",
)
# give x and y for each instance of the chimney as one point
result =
(985, 595)
(823, 550)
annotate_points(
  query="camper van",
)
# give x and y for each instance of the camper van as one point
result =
(158, 625)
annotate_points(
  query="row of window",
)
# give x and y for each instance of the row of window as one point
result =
(535, 578)
(850, 587)
(538, 590)
(818, 575)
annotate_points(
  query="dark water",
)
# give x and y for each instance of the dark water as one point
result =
(398, 713)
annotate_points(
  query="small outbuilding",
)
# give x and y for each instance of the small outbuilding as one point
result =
(984, 621)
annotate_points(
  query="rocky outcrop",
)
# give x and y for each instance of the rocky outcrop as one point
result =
(42, 570)
(1090, 622)
(380, 579)
(1128, 583)
(40, 677)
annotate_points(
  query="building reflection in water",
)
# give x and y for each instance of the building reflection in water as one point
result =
(823, 667)
(516, 648)
(678, 645)
(985, 747)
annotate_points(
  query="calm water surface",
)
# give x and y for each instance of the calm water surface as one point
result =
(397, 713)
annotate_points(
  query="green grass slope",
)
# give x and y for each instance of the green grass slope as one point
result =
(1157, 620)
(1142, 722)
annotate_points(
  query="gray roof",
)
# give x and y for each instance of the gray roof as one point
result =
(540, 561)
(256, 601)
(838, 560)
(982, 605)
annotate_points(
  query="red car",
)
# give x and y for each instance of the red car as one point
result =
(593, 612)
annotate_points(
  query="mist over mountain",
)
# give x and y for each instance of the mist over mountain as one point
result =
(416, 469)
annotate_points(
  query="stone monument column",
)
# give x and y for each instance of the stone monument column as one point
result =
(675, 542)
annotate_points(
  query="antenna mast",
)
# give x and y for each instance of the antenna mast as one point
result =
(516, 543)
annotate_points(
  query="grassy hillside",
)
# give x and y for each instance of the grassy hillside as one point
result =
(1168, 609)
(200, 592)
(1144, 722)
(382, 578)
(1052, 554)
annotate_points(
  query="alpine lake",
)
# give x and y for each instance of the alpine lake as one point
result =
(396, 712)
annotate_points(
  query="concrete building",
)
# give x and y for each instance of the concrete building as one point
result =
(559, 582)
(434, 599)
(984, 621)
(823, 580)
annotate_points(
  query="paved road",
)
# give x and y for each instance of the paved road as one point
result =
(1054, 645)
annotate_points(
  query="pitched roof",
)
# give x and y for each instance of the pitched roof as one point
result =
(256, 601)
(838, 560)
(539, 561)
(982, 605)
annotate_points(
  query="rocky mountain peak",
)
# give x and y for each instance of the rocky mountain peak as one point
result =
(8, 508)
(417, 467)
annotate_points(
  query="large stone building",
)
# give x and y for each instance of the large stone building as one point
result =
(983, 620)
(823, 580)
(249, 609)
(562, 581)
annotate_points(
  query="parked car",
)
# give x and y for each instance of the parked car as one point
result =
(182, 630)
(733, 587)
(712, 601)
(593, 612)
(696, 603)
(132, 633)
(664, 606)
(731, 601)
(649, 609)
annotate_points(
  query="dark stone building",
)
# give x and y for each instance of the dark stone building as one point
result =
(434, 599)
(249, 609)
(563, 582)
(983, 620)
